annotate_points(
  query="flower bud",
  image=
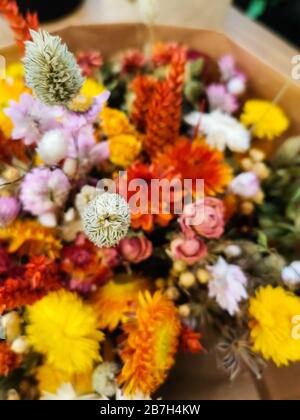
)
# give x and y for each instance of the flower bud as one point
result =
(187, 280)
(184, 311)
(20, 345)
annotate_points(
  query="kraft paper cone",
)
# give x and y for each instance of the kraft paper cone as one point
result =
(197, 376)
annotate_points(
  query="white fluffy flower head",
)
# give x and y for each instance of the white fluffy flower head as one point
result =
(106, 219)
(291, 274)
(221, 130)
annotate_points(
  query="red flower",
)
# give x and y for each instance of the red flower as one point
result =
(9, 360)
(87, 265)
(190, 340)
(132, 61)
(89, 62)
(40, 277)
(4, 261)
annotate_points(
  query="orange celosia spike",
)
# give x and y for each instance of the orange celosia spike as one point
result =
(143, 87)
(19, 24)
(164, 115)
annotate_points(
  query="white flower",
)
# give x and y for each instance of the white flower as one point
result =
(67, 393)
(149, 10)
(221, 130)
(53, 147)
(237, 86)
(291, 274)
(104, 379)
(228, 285)
(246, 185)
(20, 345)
(232, 251)
(106, 219)
(83, 198)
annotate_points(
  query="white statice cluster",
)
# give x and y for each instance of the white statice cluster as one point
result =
(221, 130)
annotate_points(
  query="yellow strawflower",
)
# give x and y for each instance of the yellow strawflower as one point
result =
(116, 299)
(50, 380)
(272, 311)
(64, 330)
(124, 149)
(91, 88)
(16, 71)
(266, 119)
(115, 122)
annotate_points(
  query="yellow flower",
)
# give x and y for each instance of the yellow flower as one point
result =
(91, 88)
(16, 71)
(115, 122)
(10, 89)
(124, 149)
(113, 301)
(64, 330)
(152, 341)
(51, 379)
(6, 124)
(272, 311)
(29, 237)
(268, 120)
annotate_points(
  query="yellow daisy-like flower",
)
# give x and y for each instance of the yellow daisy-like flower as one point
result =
(6, 124)
(272, 311)
(268, 120)
(51, 379)
(113, 301)
(115, 122)
(28, 236)
(152, 341)
(91, 88)
(65, 331)
(124, 149)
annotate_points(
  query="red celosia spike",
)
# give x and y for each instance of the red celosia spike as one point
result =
(41, 276)
(20, 25)
(143, 87)
(164, 115)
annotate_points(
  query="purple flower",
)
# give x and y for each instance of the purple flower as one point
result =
(44, 191)
(246, 185)
(99, 153)
(220, 99)
(227, 67)
(74, 121)
(9, 210)
(32, 119)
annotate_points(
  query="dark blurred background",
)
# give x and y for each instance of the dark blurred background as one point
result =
(283, 16)
(49, 9)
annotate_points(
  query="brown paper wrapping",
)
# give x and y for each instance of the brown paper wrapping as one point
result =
(197, 376)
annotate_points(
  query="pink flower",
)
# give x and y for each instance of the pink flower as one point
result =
(99, 153)
(135, 249)
(220, 99)
(9, 210)
(205, 218)
(246, 185)
(227, 67)
(44, 191)
(32, 119)
(189, 250)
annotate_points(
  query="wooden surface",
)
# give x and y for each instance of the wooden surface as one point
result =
(190, 13)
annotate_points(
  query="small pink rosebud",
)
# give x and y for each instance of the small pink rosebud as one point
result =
(9, 210)
(189, 250)
(135, 249)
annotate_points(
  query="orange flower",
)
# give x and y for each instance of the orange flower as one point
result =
(198, 161)
(19, 24)
(164, 114)
(150, 345)
(145, 220)
(190, 340)
(143, 88)
(9, 360)
(162, 53)
(113, 301)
